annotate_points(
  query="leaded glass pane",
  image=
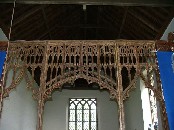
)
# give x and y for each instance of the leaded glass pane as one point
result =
(93, 106)
(72, 117)
(71, 125)
(90, 102)
(79, 126)
(86, 115)
(86, 106)
(82, 114)
(72, 106)
(93, 126)
(93, 115)
(79, 106)
(86, 125)
(79, 115)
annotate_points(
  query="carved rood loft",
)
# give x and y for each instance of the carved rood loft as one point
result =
(104, 62)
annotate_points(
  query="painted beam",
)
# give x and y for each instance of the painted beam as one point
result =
(98, 2)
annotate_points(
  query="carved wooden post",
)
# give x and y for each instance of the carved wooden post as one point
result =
(40, 111)
(41, 99)
(120, 100)
(1, 97)
(120, 90)
(3, 47)
(160, 98)
(164, 118)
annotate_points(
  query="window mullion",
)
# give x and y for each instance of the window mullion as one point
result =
(76, 117)
(89, 117)
(83, 117)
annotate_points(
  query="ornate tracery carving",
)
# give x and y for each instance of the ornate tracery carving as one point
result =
(108, 63)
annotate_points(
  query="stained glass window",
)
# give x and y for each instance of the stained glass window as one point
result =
(82, 114)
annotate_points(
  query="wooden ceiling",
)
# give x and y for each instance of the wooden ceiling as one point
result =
(84, 22)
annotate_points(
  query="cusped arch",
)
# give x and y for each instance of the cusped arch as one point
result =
(71, 79)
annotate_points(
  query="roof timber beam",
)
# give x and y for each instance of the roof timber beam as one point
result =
(27, 14)
(165, 24)
(4, 27)
(98, 2)
(46, 23)
(143, 20)
(123, 22)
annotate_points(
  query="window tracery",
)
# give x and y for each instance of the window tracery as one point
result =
(82, 114)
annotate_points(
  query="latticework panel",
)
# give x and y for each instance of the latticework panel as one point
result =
(65, 61)
(91, 60)
(24, 60)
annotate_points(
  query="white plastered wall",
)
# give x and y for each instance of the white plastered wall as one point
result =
(19, 109)
(133, 110)
(56, 111)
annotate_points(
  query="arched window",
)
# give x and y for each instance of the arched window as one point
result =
(82, 114)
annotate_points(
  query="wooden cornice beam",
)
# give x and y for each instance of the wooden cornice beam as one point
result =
(3, 45)
(164, 45)
(160, 44)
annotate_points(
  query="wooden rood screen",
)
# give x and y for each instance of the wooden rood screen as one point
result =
(53, 63)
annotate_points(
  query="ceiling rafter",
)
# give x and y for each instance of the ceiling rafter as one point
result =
(112, 15)
(98, 18)
(147, 13)
(65, 17)
(4, 27)
(123, 22)
(140, 18)
(102, 22)
(27, 14)
(141, 29)
(109, 21)
(137, 28)
(155, 12)
(167, 21)
(46, 23)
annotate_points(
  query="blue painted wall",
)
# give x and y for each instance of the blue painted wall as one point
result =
(2, 59)
(167, 78)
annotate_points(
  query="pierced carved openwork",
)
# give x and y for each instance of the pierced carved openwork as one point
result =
(93, 61)
(114, 65)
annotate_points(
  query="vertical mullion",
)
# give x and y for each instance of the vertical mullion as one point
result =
(69, 111)
(90, 117)
(96, 116)
(76, 116)
(83, 117)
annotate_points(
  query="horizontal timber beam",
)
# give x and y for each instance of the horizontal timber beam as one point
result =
(161, 45)
(98, 2)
